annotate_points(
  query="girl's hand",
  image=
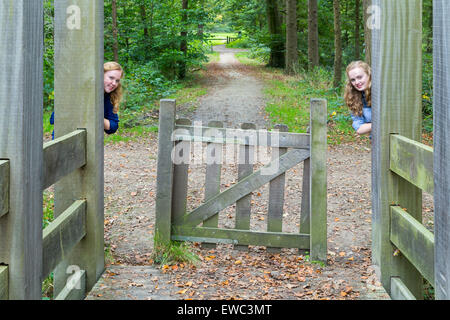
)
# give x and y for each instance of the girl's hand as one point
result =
(106, 124)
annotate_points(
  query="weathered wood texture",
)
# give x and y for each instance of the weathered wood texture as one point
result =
(244, 187)
(79, 97)
(63, 155)
(238, 136)
(4, 275)
(399, 291)
(412, 161)
(4, 187)
(396, 107)
(75, 288)
(62, 234)
(305, 211)
(245, 168)
(318, 178)
(21, 99)
(164, 180)
(414, 241)
(441, 112)
(243, 237)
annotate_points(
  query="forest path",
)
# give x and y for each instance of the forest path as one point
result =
(235, 95)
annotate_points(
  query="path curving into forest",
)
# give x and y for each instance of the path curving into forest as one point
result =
(236, 95)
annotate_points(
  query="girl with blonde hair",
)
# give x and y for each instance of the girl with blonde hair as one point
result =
(357, 96)
(112, 74)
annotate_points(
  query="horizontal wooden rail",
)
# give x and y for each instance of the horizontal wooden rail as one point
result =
(4, 187)
(399, 291)
(242, 237)
(4, 276)
(60, 236)
(412, 161)
(414, 241)
(244, 137)
(75, 288)
(63, 155)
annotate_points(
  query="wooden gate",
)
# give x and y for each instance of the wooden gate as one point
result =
(174, 223)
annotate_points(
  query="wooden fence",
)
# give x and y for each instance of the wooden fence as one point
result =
(174, 223)
(72, 245)
(403, 249)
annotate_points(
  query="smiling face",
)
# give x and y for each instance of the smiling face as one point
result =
(111, 80)
(359, 79)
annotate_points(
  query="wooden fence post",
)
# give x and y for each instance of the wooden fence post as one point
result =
(318, 179)
(165, 167)
(396, 108)
(441, 112)
(21, 99)
(79, 105)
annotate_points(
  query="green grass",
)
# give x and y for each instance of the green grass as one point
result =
(172, 252)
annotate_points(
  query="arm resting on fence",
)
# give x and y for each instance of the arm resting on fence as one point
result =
(4, 187)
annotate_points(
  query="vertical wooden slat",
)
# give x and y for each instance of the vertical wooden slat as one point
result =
(245, 168)
(21, 96)
(305, 212)
(79, 105)
(396, 107)
(164, 180)
(4, 187)
(318, 178)
(4, 285)
(182, 151)
(276, 194)
(212, 177)
(441, 112)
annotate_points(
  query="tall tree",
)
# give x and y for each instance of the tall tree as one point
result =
(183, 44)
(313, 35)
(291, 36)
(367, 32)
(337, 44)
(357, 24)
(115, 31)
(276, 39)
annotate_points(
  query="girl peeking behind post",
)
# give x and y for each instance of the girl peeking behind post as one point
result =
(113, 92)
(357, 96)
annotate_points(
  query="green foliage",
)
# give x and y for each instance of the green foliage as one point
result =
(173, 252)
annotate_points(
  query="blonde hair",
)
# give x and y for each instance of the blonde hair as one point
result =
(117, 94)
(353, 97)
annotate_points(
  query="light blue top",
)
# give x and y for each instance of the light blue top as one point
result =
(366, 117)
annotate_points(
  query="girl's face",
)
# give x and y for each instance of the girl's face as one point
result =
(359, 79)
(111, 80)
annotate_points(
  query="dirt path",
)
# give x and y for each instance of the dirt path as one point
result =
(235, 96)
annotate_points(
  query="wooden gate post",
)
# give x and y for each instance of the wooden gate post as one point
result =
(441, 112)
(165, 167)
(79, 105)
(318, 180)
(396, 108)
(21, 99)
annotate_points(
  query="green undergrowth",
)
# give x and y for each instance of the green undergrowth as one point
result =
(172, 252)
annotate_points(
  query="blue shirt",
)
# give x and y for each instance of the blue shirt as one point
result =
(108, 114)
(366, 116)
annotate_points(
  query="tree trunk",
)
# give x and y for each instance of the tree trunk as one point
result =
(115, 31)
(367, 33)
(183, 44)
(337, 45)
(313, 35)
(276, 39)
(291, 36)
(357, 24)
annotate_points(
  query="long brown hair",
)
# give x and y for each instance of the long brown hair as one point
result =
(117, 94)
(353, 97)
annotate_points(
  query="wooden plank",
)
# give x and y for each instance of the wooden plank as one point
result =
(4, 275)
(244, 187)
(441, 102)
(414, 241)
(396, 109)
(399, 291)
(230, 135)
(164, 180)
(4, 187)
(305, 211)
(182, 150)
(412, 161)
(245, 168)
(318, 178)
(243, 237)
(63, 155)
(21, 103)
(276, 194)
(62, 234)
(212, 176)
(79, 96)
(75, 288)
